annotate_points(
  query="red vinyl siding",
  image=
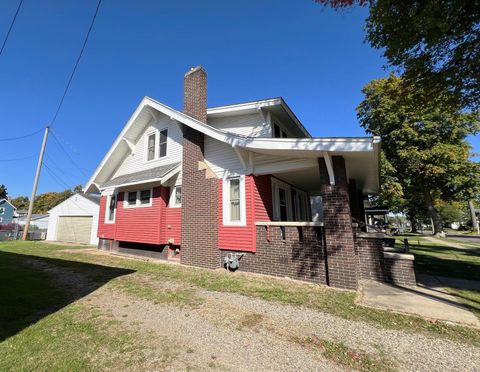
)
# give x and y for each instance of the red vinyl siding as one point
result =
(105, 230)
(239, 238)
(173, 225)
(140, 224)
(263, 198)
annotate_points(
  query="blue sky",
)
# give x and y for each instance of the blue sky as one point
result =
(314, 57)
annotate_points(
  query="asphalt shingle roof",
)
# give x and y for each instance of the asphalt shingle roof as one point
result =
(145, 175)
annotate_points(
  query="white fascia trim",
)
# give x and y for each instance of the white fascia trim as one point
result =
(353, 144)
(239, 107)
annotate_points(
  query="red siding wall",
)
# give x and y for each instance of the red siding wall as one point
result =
(258, 198)
(105, 230)
(173, 225)
(140, 225)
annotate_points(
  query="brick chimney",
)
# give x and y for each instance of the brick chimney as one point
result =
(195, 93)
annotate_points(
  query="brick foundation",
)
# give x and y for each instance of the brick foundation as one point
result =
(300, 256)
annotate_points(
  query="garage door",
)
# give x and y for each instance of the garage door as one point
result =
(75, 229)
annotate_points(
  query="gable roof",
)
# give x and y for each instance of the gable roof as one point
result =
(150, 175)
(3, 201)
(149, 109)
(92, 198)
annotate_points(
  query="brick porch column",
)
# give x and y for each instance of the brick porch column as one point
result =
(199, 192)
(337, 219)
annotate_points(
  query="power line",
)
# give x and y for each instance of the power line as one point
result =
(76, 64)
(18, 159)
(57, 167)
(11, 26)
(56, 177)
(68, 155)
(21, 137)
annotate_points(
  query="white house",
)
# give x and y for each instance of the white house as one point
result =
(75, 220)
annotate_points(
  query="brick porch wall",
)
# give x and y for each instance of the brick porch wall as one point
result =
(373, 265)
(337, 219)
(296, 258)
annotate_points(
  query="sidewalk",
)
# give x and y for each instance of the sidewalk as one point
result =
(429, 299)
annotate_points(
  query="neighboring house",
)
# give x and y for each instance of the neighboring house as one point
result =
(7, 212)
(234, 184)
(40, 221)
(75, 220)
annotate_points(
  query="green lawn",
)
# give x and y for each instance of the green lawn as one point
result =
(33, 305)
(442, 260)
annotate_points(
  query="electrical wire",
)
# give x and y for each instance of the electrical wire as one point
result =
(18, 159)
(11, 26)
(76, 64)
(68, 155)
(21, 137)
(55, 176)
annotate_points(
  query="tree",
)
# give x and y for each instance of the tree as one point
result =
(3, 191)
(20, 202)
(77, 188)
(424, 142)
(453, 212)
(435, 44)
(46, 201)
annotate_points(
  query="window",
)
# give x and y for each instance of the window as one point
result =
(2, 210)
(111, 208)
(234, 201)
(176, 197)
(151, 146)
(138, 198)
(163, 143)
(1, 219)
(301, 205)
(282, 200)
(276, 131)
(145, 196)
(284, 134)
(132, 198)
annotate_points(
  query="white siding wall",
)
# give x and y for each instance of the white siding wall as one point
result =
(220, 156)
(137, 161)
(76, 205)
(252, 125)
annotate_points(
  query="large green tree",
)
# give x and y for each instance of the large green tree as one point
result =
(20, 202)
(424, 144)
(434, 43)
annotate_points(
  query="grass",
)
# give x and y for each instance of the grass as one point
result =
(441, 260)
(347, 357)
(335, 302)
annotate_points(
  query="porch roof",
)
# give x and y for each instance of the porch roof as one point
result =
(149, 175)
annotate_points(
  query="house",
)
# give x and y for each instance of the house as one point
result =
(7, 212)
(232, 186)
(75, 220)
(38, 221)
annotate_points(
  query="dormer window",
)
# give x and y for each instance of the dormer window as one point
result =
(156, 144)
(278, 132)
(151, 147)
(163, 143)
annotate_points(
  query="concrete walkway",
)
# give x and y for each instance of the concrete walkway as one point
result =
(432, 301)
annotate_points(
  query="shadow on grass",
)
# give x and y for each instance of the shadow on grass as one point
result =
(33, 287)
(433, 265)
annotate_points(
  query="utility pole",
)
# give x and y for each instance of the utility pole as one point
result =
(35, 184)
(473, 216)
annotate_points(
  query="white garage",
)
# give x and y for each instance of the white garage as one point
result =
(75, 220)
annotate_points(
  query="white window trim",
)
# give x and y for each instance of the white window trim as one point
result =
(299, 205)
(226, 202)
(107, 208)
(171, 201)
(158, 144)
(137, 204)
(276, 184)
(155, 150)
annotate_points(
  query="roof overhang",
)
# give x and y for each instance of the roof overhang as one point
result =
(360, 153)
